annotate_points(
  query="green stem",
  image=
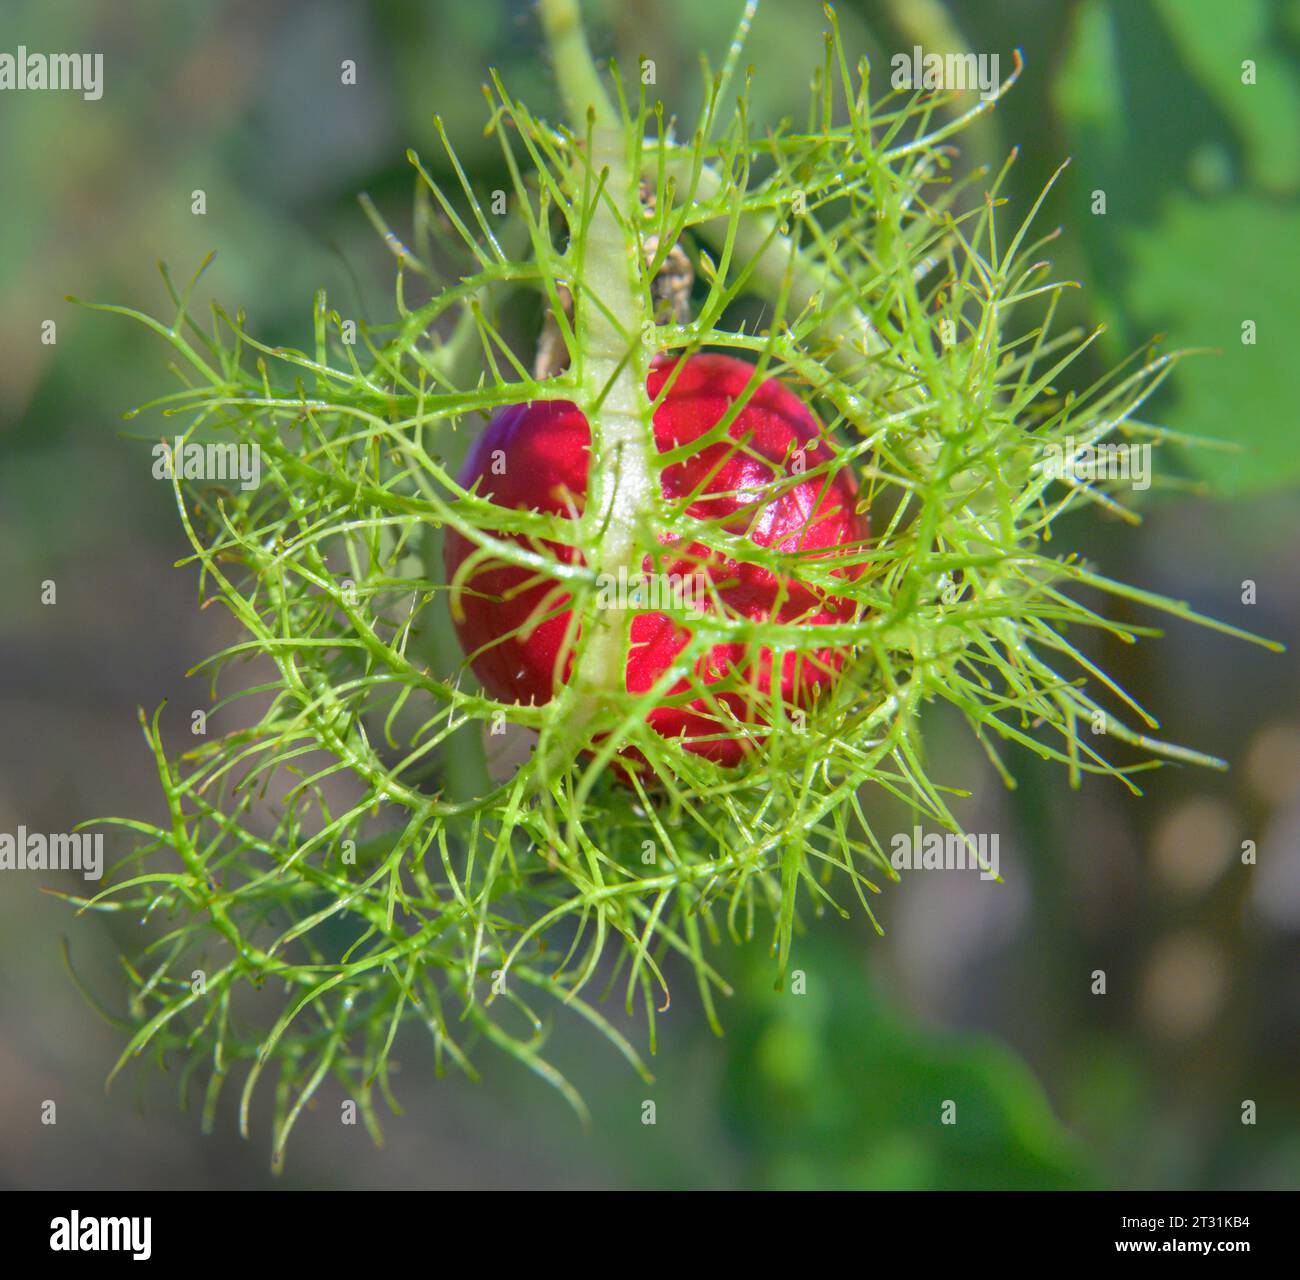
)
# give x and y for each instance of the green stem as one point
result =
(574, 66)
(773, 258)
(612, 360)
(928, 23)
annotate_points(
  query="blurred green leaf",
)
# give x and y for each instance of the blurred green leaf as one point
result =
(1196, 236)
(1202, 272)
(834, 1089)
(1214, 39)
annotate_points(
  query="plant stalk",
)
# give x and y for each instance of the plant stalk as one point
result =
(612, 360)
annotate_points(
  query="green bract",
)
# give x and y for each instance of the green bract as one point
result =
(350, 850)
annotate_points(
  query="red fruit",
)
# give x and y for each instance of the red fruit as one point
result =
(545, 447)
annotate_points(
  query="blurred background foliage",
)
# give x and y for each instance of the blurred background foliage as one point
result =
(979, 994)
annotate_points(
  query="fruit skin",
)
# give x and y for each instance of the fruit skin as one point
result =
(545, 447)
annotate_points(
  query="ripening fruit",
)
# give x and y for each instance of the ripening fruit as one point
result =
(545, 448)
